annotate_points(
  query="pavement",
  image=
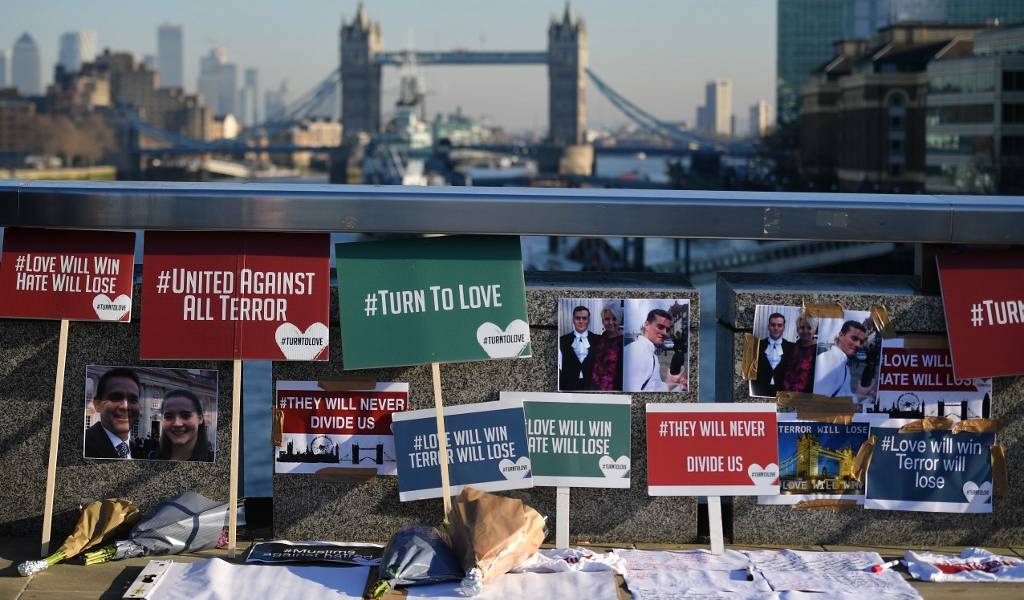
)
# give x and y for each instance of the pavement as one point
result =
(75, 581)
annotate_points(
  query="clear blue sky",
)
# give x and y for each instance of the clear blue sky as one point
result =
(656, 53)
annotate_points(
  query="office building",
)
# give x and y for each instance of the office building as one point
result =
(275, 102)
(975, 118)
(3, 68)
(218, 82)
(76, 47)
(805, 32)
(715, 116)
(1006, 12)
(248, 98)
(170, 56)
(26, 67)
(760, 118)
(862, 117)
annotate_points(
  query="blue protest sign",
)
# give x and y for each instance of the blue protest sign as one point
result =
(930, 471)
(487, 448)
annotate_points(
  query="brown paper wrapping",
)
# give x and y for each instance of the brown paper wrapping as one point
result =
(822, 409)
(880, 317)
(751, 348)
(863, 459)
(277, 427)
(1000, 484)
(826, 505)
(344, 383)
(823, 311)
(493, 533)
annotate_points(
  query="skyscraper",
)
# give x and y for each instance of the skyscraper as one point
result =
(26, 70)
(218, 82)
(718, 107)
(248, 99)
(3, 68)
(76, 47)
(981, 11)
(170, 56)
(805, 31)
(760, 118)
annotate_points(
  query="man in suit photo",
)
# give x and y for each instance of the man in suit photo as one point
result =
(575, 359)
(117, 402)
(773, 357)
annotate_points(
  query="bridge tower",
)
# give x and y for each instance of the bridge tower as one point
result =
(807, 455)
(360, 74)
(567, 61)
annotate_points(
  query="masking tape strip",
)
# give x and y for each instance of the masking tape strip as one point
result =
(277, 428)
(341, 384)
(883, 323)
(978, 425)
(926, 342)
(811, 407)
(826, 505)
(823, 310)
(346, 475)
(928, 424)
(751, 348)
(863, 459)
(1000, 483)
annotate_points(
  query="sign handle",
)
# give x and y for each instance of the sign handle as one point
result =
(236, 409)
(442, 441)
(51, 467)
(715, 525)
(562, 518)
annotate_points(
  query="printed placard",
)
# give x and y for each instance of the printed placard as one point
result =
(444, 299)
(983, 297)
(712, 450)
(487, 448)
(918, 381)
(221, 295)
(74, 275)
(816, 460)
(929, 471)
(577, 440)
(337, 428)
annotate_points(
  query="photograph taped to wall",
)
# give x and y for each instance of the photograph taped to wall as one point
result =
(656, 356)
(787, 349)
(590, 344)
(849, 352)
(150, 413)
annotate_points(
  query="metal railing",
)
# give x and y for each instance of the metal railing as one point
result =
(513, 211)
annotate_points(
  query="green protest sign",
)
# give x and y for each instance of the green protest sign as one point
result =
(443, 299)
(577, 440)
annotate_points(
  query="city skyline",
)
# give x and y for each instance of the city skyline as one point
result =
(658, 54)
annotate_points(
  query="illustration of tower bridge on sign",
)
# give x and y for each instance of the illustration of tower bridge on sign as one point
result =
(807, 461)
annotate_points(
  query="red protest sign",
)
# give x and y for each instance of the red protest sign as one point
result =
(74, 275)
(218, 295)
(712, 450)
(337, 428)
(983, 296)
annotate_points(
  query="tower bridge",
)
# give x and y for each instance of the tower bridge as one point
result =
(362, 59)
(805, 462)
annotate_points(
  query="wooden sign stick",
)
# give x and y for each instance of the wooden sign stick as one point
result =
(562, 518)
(442, 442)
(715, 525)
(51, 467)
(236, 410)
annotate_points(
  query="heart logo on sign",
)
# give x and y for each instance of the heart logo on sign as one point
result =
(111, 310)
(514, 470)
(978, 494)
(766, 476)
(614, 469)
(301, 345)
(507, 343)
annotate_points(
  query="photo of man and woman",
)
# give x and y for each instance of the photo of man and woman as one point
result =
(787, 347)
(150, 413)
(615, 344)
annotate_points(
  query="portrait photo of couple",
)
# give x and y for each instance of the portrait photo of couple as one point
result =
(834, 356)
(630, 345)
(150, 413)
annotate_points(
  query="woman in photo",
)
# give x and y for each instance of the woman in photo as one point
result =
(800, 376)
(183, 433)
(607, 372)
